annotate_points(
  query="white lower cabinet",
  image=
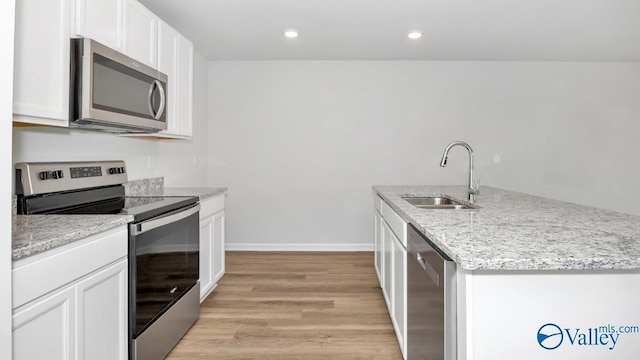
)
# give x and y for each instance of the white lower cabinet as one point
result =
(387, 266)
(391, 266)
(377, 230)
(101, 302)
(46, 328)
(399, 293)
(79, 311)
(212, 243)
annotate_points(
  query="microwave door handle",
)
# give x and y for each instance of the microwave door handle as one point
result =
(152, 88)
(162, 99)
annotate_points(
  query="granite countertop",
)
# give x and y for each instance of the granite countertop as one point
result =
(33, 234)
(201, 192)
(515, 231)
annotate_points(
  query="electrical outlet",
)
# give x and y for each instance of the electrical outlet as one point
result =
(496, 159)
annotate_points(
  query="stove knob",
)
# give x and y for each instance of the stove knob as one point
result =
(44, 175)
(122, 170)
(116, 170)
(60, 174)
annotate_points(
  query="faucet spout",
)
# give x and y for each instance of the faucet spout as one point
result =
(473, 186)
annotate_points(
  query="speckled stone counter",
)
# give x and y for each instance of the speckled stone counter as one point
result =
(201, 193)
(515, 231)
(33, 234)
(155, 187)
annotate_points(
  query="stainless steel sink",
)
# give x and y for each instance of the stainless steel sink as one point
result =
(436, 202)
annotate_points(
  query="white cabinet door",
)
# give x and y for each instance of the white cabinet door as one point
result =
(175, 59)
(41, 71)
(218, 246)
(377, 223)
(387, 271)
(101, 20)
(71, 302)
(46, 328)
(140, 33)
(185, 87)
(102, 314)
(391, 267)
(206, 257)
(212, 244)
(399, 297)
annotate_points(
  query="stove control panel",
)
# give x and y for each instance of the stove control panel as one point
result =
(44, 178)
(85, 171)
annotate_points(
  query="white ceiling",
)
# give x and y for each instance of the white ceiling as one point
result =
(520, 30)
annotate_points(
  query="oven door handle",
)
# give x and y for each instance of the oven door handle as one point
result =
(164, 220)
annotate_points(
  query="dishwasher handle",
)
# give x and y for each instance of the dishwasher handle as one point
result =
(431, 272)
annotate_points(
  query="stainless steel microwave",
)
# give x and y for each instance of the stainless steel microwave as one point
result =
(113, 92)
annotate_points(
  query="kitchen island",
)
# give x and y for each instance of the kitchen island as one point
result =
(536, 278)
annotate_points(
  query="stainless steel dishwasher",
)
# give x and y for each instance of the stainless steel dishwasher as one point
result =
(431, 300)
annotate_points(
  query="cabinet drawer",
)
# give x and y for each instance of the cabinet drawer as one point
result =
(396, 223)
(211, 206)
(47, 271)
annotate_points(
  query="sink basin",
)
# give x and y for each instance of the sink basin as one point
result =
(435, 202)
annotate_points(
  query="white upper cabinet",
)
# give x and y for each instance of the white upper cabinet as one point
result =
(185, 87)
(175, 58)
(101, 20)
(123, 25)
(140, 33)
(41, 71)
(44, 29)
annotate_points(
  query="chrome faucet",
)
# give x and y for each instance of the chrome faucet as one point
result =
(474, 188)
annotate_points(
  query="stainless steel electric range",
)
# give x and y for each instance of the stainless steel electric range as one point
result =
(163, 243)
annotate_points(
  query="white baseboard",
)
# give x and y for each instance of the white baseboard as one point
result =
(298, 247)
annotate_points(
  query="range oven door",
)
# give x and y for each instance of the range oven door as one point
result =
(163, 264)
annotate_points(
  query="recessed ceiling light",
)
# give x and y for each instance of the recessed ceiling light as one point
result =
(414, 34)
(291, 33)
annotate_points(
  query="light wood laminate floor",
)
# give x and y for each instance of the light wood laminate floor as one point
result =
(293, 305)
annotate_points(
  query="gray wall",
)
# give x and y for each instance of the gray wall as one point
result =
(299, 143)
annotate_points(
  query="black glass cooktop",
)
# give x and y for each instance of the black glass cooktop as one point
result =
(108, 200)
